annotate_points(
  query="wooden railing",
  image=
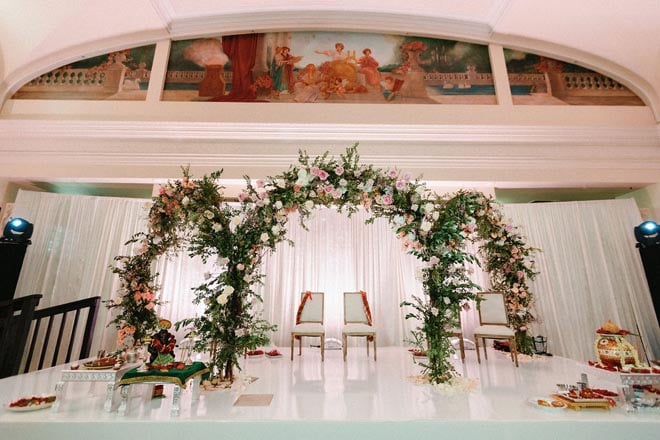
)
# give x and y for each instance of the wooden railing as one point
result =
(67, 334)
(15, 320)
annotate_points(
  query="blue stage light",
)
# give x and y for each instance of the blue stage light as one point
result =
(18, 230)
(647, 234)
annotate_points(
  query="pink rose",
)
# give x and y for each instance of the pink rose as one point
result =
(339, 170)
(523, 328)
(242, 196)
(392, 173)
(328, 189)
(519, 274)
(323, 175)
(400, 184)
(387, 199)
(260, 183)
(315, 171)
(434, 260)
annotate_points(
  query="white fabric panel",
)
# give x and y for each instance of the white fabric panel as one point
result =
(74, 242)
(590, 271)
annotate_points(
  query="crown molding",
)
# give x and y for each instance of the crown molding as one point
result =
(25, 132)
(335, 20)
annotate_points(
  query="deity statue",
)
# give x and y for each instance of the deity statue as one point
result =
(162, 345)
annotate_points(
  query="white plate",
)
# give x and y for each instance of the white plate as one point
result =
(535, 402)
(274, 355)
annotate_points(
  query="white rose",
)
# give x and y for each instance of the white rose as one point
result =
(446, 300)
(278, 205)
(309, 204)
(428, 207)
(227, 290)
(343, 182)
(414, 207)
(434, 311)
(208, 214)
(240, 266)
(222, 299)
(276, 229)
(435, 215)
(185, 201)
(236, 220)
(281, 183)
(426, 226)
(217, 227)
(264, 237)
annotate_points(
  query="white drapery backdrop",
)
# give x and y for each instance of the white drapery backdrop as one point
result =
(590, 271)
(74, 242)
(589, 268)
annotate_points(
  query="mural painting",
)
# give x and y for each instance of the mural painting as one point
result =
(538, 80)
(121, 75)
(326, 67)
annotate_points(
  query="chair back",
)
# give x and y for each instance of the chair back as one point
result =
(15, 320)
(62, 340)
(313, 308)
(492, 310)
(354, 308)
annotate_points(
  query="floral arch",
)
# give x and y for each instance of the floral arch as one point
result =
(194, 215)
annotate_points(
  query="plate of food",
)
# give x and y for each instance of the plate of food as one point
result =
(31, 403)
(102, 363)
(547, 403)
(274, 354)
(255, 353)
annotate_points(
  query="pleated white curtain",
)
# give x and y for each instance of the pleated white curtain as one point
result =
(590, 271)
(74, 242)
(589, 268)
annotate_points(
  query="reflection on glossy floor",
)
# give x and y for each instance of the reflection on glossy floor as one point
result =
(359, 390)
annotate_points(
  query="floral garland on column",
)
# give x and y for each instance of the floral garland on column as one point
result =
(193, 215)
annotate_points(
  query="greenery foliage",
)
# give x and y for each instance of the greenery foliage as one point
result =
(193, 215)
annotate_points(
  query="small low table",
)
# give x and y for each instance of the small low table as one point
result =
(109, 376)
(179, 378)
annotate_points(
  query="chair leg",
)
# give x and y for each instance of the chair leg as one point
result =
(343, 345)
(300, 346)
(374, 347)
(476, 345)
(323, 347)
(461, 345)
(367, 338)
(483, 342)
(514, 351)
(292, 339)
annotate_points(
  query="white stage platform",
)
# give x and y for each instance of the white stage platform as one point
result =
(359, 399)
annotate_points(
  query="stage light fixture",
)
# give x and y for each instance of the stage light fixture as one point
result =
(18, 230)
(647, 234)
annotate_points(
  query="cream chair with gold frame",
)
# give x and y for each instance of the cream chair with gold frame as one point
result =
(494, 324)
(310, 321)
(356, 321)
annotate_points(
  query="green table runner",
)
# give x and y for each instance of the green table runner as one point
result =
(178, 377)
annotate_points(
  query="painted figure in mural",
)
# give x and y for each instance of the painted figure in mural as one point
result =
(308, 86)
(369, 67)
(343, 65)
(282, 70)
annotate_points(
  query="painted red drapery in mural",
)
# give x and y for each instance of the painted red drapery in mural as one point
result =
(242, 52)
